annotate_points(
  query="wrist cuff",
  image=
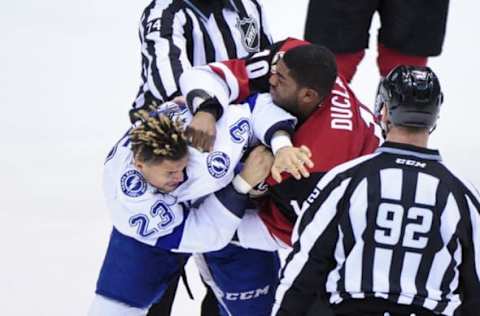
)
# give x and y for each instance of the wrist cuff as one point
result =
(280, 141)
(211, 106)
(240, 185)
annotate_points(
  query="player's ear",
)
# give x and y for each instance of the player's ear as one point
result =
(309, 95)
(139, 165)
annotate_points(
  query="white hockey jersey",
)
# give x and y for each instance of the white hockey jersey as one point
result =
(191, 218)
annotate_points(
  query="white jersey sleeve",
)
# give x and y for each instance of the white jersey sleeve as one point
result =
(236, 129)
(211, 85)
(268, 118)
(210, 172)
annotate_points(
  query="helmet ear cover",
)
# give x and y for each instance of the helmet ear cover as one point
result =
(380, 99)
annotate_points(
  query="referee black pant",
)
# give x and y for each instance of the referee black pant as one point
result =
(378, 307)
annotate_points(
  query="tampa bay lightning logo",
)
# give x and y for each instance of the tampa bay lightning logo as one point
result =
(218, 164)
(133, 184)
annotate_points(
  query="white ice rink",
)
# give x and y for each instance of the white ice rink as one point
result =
(69, 71)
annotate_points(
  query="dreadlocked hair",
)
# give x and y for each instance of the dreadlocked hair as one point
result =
(158, 137)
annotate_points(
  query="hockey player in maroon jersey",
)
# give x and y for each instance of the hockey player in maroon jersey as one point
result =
(302, 78)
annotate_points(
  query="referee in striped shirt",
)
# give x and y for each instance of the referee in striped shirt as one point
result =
(392, 233)
(178, 34)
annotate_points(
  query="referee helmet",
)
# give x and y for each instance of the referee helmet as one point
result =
(412, 95)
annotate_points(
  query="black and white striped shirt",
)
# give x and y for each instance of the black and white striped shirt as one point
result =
(178, 34)
(395, 225)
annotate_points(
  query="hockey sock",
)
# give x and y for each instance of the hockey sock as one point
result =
(388, 58)
(347, 63)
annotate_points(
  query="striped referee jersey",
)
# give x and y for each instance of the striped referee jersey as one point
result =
(178, 34)
(396, 226)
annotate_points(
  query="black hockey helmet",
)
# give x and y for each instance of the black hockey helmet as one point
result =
(413, 96)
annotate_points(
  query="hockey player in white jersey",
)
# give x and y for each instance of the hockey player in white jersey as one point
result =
(159, 192)
(201, 173)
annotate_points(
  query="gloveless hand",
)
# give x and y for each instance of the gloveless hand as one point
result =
(257, 166)
(202, 131)
(293, 160)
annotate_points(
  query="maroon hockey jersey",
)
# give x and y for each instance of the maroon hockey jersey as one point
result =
(339, 130)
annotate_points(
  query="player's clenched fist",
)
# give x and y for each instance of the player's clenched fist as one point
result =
(293, 160)
(257, 166)
(202, 131)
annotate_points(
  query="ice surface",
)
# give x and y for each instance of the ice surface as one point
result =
(69, 71)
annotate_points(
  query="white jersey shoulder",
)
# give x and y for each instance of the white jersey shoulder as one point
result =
(138, 209)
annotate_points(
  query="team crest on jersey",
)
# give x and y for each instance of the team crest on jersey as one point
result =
(133, 184)
(218, 164)
(173, 110)
(249, 31)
